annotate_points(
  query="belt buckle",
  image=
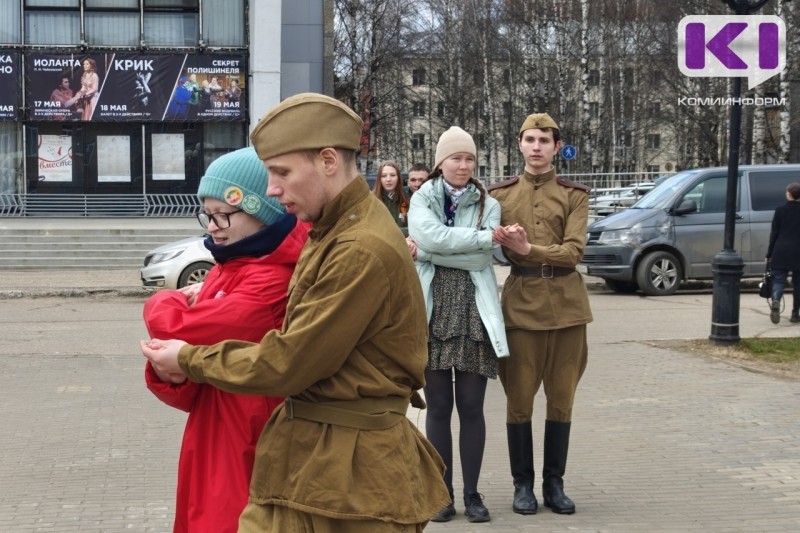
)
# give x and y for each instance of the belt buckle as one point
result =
(543, 270)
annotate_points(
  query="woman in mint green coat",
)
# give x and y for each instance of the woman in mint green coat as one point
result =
(450, 222)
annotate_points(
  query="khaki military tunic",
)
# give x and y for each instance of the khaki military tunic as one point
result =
(355, 328)
(545, 317)
(555, 218)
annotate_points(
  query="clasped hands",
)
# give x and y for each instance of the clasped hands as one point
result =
(513, 237)
(163, 356)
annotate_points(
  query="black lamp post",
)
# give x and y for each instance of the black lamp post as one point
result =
(728, 265)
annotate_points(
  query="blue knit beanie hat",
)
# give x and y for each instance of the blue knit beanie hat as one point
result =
(240, 179)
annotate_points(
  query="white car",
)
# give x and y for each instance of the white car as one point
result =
(177, 264)
(619, 199)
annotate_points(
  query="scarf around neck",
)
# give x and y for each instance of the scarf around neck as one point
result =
(263, 242)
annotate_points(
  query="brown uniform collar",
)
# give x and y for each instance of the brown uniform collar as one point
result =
(343, 206)
(539, 179)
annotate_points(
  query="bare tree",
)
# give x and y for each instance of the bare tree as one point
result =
(368, 41)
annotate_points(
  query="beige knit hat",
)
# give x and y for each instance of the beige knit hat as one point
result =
(453, 141)
(307, 121)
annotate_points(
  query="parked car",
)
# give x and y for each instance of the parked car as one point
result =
(619, 199)
(177, 264)
(674, 232)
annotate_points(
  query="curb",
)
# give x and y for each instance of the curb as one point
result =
(79, 292)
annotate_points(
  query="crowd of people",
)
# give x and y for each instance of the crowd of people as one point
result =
(298, 366)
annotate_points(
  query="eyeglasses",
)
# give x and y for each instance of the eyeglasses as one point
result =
(221, 220)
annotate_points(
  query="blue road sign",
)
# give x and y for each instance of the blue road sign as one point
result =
(569, 152)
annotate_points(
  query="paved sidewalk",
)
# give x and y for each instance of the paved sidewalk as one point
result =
(662, 440)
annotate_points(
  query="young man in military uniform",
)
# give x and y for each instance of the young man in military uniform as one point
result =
(340, 455)
(545, 307)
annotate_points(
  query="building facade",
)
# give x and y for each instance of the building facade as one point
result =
(116, 107)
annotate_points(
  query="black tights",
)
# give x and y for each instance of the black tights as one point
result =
(470, 390)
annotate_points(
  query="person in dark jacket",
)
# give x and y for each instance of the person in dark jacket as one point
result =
(389, 189)
(783, 253)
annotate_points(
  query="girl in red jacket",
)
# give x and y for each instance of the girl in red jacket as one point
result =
(256, 246)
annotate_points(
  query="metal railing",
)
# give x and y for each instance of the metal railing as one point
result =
(98, 205)
(186, 205)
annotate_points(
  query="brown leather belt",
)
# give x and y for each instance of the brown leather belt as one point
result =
(367, 413)
(541, 271)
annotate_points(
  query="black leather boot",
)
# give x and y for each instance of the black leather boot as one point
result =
(556, 446)
(520, 454)
(795, 316)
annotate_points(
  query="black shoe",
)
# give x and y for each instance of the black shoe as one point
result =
(474, 508)
(795, 316)
(775, 311)
(445, 515)
(555, 499)
(524, 500)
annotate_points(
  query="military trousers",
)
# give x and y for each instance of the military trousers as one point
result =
(278, 519)
(554, 358)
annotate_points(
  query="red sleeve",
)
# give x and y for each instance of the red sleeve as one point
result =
(253, 303)
(178, 396)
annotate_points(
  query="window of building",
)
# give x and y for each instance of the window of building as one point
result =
(506, 170)
(655, 169)
(594, 78)
(481, 171)
(506, 77)
(117, 27)
(440, 77)
(653, 141)
(477, 77)
(418, 76)
(418, 141)
(627, 76)
(9, 23)
(223, 23)
(481, 141)
(440, 109)
(627, 138)
(654, 109)
(594, 109)
(507, 109)
(419, 108)
(118, 22)
(52, 21)
(627, 105)
(171, 22)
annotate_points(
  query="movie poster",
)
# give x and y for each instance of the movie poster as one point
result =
(114, 87)
(209, 88)
(9, 85)
(55, 158)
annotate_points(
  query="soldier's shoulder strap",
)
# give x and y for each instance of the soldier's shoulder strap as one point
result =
(564, 182)
(502, 184)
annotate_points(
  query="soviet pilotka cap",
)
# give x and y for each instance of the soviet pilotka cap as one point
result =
(538, 121)
(307, 121)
